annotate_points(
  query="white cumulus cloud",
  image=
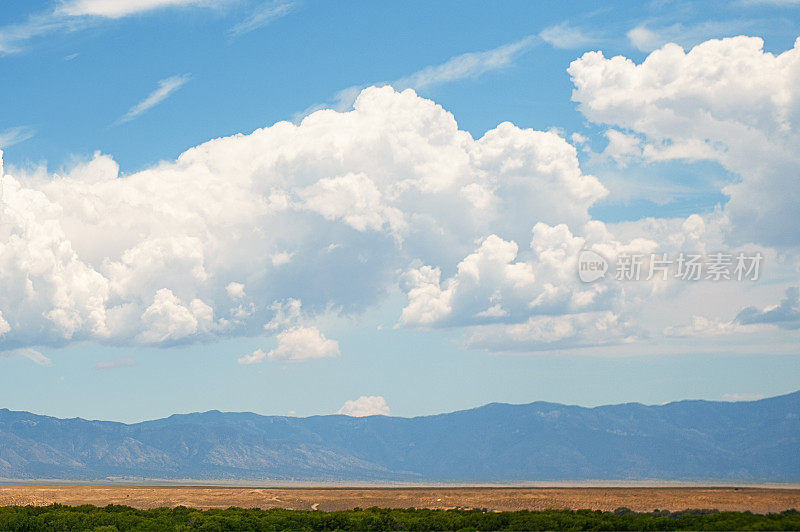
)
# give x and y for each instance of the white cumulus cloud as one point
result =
(343, 208)
(235, 290)
(726, 101)
(4, 326)
(157, 257)
(167, 318)
(366, 405)
(647, 38)
(303, 343)
(296, 344)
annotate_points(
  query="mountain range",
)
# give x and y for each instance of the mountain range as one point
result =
(752, 441)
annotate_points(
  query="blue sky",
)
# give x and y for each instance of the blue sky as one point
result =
(291, 270)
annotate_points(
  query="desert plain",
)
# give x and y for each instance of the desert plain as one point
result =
(640, 499)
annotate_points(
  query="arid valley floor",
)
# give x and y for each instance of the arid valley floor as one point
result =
(754, 499)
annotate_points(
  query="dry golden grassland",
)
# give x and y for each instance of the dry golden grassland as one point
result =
(639, 499)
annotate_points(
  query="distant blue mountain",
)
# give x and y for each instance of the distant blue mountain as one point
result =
(687, 440)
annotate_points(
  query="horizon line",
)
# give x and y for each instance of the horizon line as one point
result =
(216, 411)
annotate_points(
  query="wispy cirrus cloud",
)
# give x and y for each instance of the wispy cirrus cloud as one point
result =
(26, 352)
(13, 36)
(74, 15)
(263, 15)
(15, 135)
(165, 88)
(778, 3)
(466, 65)
(123, 8)
(457, 68)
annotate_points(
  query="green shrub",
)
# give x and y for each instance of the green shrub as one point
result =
(123, 518)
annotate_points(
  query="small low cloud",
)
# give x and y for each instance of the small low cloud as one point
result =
(235, 290)
(647, 39)
(742, 396)
(256, 357)
(702, 326)
(165, 88)
(622, 147)
(577, 139)
(31, 354)
(785, 315)
(565, 36)
(285, 313)
(303, 343)
(296, 344)
(366, 405)
(281, 258)
(120, 362)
